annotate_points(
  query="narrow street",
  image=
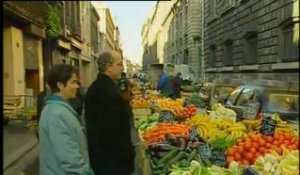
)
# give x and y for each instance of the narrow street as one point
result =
(28, 164)
(20, 147)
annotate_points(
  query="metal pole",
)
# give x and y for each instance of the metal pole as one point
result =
(202, 44)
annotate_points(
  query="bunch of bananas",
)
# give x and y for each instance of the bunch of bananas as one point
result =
(252, 125)
(217, 134)
(283, 126)
(198, 119)
(236, 131)
(223, 123)
(203, 124)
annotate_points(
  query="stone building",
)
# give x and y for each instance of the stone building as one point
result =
(184, 34)
(23, 34)
(107, 27)
(95, 42)
(172, 34)
(154, 35)
(252, 41)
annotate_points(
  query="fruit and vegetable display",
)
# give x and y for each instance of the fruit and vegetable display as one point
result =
(186, 112)
(178, 140)
(158, 133)
(140, 103)
(169, 104)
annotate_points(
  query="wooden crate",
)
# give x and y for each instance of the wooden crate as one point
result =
(141, 111)
(146, 170)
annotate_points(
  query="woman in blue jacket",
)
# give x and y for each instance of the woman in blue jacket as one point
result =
(63, 144)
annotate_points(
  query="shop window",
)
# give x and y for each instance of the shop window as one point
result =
(250, 48)
(228, 53)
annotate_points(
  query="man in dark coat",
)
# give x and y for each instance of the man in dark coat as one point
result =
(176, 85)
(77, 102)
(107, 120)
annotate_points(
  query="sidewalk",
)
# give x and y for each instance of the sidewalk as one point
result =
(17, 141)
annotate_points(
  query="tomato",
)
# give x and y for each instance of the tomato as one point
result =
(257, 154)
(261, 142)
(254, 138)
(268, 145)
(248, 156)
(229, 159)
(240, 149)
(239, 141)
(287, 135)
(276, 143)
(247, 139)
(269, 139)
(245, 162)
(247, 145)
(262, 150)
(237, 156)
(259, 135)
(230, 152)
(276, 136)
(255, 145)
(252, 150)
(286, 142)
(279, 150)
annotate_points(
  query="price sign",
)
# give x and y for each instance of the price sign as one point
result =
(166, 116)
(193, 133)
(205, 153)
(218, 158)
(268, 126)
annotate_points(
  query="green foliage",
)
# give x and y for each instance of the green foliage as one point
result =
(52, 22)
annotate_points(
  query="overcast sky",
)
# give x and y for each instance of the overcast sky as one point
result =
(130, 16)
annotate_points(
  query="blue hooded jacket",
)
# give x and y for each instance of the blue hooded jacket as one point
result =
(63, 144)
(164, 85)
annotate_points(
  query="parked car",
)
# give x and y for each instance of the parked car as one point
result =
(211, 93)
(258, 101)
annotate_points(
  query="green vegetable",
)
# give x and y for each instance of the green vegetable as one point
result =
(168, 156)
(221, 144)
(192, 155)
(179, 156)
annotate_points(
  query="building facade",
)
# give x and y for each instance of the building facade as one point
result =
(253, 41)
(172, 34)
(95, 42)
(23, 34)
(107, 27)
(145, 57)
(184, 34)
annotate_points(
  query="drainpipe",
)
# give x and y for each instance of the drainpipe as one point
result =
(202, 43)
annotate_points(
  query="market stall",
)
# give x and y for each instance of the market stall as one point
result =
(175, 138)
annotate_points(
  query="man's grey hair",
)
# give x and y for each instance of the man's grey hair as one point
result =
(104, 59)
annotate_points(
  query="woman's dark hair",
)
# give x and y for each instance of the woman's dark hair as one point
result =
(60, 73)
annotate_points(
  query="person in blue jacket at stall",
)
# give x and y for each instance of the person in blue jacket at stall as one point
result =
(164, 85)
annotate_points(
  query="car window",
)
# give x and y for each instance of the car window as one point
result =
(232, 97)
(245, 97)
(222, 91)
(279, 102)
